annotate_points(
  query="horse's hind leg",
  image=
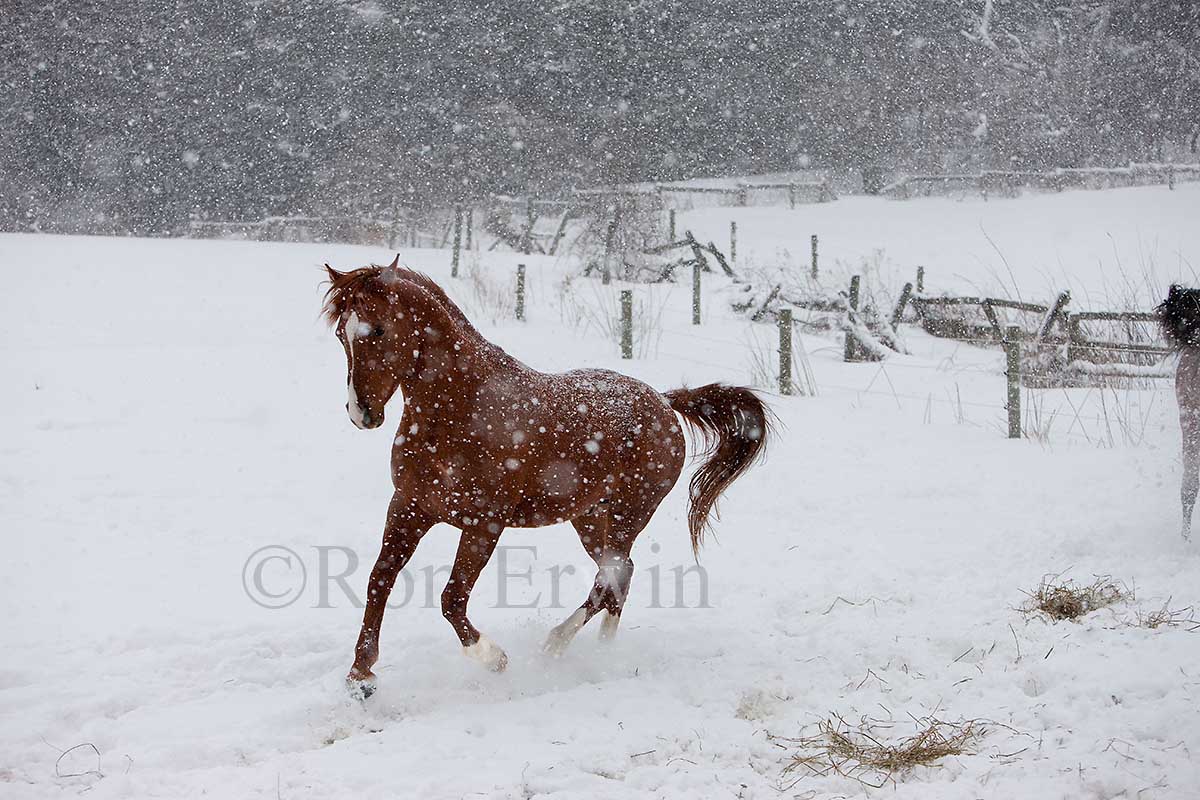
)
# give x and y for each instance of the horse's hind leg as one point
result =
(475, 547)
(592, 527)
(608, 538)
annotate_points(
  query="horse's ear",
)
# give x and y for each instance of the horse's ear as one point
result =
(395, 262)
(332, 273)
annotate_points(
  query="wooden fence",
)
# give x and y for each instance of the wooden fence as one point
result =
(1054, 325)
(1009, 182)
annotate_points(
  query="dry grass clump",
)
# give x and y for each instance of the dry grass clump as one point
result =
(857, 752)
(1166, 617)
(1068, 600)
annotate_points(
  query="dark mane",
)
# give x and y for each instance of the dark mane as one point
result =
(1179, 316)
(345, 288)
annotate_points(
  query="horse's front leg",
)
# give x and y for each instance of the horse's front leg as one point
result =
(1189, 423)
(405, 526)
(475, 547)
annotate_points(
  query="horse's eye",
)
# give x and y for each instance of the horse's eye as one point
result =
(377, 331)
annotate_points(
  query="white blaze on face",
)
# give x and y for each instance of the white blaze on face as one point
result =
(352, 405)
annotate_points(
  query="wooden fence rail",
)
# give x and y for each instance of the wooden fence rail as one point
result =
(1009, 181)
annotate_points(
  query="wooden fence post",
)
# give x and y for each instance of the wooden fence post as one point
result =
(898, 313)
(458, 232)
(521, 292)
(1074, 339)
(814, 256)
(791, 195)
(920, 280)
(1057, 310)
(741, 196)
(1171, 177)
(671, 225)
(850, 352)
(732, 244)
(626, 323)
(785, 351)
(470, 227)
(1012, 352)
(697, 268)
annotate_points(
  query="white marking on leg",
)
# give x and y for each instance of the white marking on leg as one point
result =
(561, 635)
(488, 653)
(608, 626)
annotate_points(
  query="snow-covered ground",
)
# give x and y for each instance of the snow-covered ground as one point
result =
(171, 407)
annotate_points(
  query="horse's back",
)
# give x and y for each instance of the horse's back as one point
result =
(611, 392)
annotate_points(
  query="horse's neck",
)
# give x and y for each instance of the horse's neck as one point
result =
(467, 360)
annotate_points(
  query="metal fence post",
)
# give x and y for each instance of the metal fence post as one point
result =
(850, 352)
(785, 351)
(458, 231)
(626, 323)
(521, 292)
(1012, 352)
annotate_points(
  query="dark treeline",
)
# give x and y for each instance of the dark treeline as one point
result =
(136, 115)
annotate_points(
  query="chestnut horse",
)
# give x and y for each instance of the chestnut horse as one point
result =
(1179, 316)
(486, 443)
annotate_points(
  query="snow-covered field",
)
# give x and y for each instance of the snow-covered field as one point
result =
(1105, 246)
(171, 407)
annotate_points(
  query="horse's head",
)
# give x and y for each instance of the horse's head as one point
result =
(373, 312)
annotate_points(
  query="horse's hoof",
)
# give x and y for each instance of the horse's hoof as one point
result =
(361, 689)
(554, 646)
(488, 653)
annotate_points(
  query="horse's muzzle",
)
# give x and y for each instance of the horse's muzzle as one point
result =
(363, 418)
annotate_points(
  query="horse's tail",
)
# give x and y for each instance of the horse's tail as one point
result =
(1179, 316)
(734, 424)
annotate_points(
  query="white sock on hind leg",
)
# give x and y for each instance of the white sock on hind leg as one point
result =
(561, 636)
(608, 626)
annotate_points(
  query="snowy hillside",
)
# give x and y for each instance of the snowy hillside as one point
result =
(173, 407)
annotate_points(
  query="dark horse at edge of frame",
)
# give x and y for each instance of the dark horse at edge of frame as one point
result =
(1179, 316)
(487, 443)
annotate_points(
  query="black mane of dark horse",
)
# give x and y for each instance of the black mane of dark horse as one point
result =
(1179, 316)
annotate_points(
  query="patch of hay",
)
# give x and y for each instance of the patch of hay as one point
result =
(858, 752)
(1068, 600)
(1166, 617)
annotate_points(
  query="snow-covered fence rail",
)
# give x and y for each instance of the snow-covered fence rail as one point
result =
(1138, 352)
(400, 231)
(524, 236)
(685, 194)
(1082, 350)
(355, 230)
(1007, 182)
(750, 194)
(952, 318)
